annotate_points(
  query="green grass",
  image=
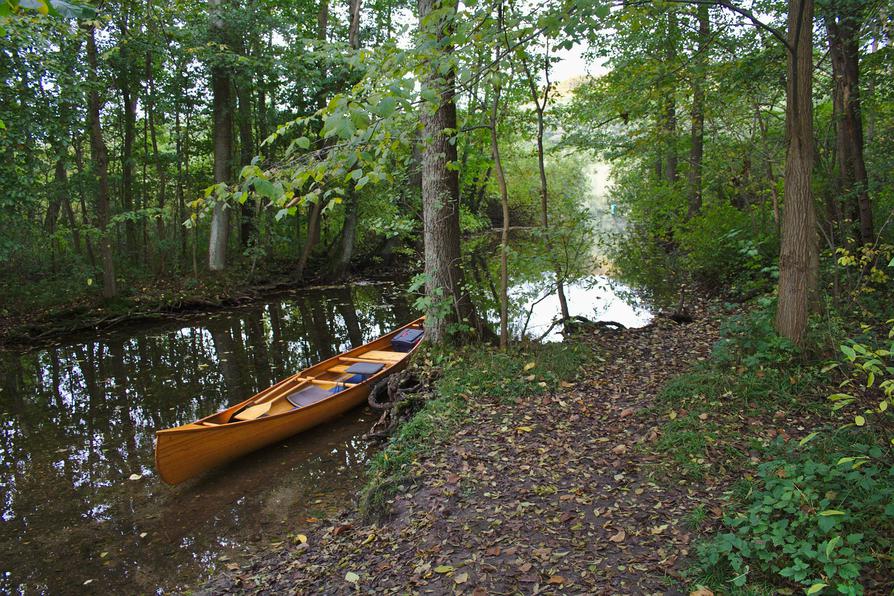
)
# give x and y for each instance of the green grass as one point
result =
(469, 375)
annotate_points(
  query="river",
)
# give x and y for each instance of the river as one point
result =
(81, 508)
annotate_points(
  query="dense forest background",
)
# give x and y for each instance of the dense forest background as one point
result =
(149, 144)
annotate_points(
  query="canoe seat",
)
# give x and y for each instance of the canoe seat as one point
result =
(311, 395)
(386, 355)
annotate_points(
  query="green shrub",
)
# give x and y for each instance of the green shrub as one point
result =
(809, 522)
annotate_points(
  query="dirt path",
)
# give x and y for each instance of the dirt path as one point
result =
(558, 494)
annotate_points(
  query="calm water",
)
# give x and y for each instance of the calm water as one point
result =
(78, 422)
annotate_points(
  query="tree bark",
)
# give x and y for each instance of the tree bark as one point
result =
(343, 260)
(100, 157)
(223, 143)
(799, 257)
(842, 25)
(696, 150)
(670, 103)
(248, 226)
(504, 203)
(440, 184)
(129, 108)
(540, 107)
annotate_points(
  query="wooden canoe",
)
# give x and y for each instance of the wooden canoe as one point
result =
(295, 404)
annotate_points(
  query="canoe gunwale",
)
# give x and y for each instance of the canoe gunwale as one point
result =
(180, 441)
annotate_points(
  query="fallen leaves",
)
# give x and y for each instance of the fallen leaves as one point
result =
(550, 492)
(618, 537)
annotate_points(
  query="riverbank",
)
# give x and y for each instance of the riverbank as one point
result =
(23, 323)
(559, 492)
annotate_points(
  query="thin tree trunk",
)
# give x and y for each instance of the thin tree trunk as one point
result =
(670, 103)
(504, 202)
(159, 165)
(696, 150)
(799, 257)
(343, 261)
(101, 170)
(540, 105)
(248, 227)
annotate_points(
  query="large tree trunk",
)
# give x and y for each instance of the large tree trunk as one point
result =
(842, 25)
(440, 185)
(100, 169)
(798, 258)
(696, 150)
(223, 144)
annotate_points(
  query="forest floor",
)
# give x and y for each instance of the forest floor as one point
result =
(565, 492)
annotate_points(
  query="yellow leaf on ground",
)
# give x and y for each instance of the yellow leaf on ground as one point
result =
(352, 577)
(444, 569)
(301, 538)
(525, 429)
(619, 537)
(530, 365)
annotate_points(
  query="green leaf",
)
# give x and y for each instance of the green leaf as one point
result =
(829, 512)
(815, 588)
(264, 188)
(303, 142)
(807, 439)
(386, 107)
(849, 352)
(830, 546)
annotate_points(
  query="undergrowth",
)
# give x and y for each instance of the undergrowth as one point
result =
(813, 508)
(470, 375)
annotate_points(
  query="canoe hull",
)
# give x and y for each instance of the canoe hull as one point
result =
(186, 451)
(189, 452)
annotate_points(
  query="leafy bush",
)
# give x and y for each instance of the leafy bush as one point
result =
(809, 522)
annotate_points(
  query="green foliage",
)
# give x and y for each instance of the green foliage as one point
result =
(808, 521)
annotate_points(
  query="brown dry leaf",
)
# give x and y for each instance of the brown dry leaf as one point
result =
(619, 449)
(701, 591)
(342, 528)
(479, 592)
(566, 384)
(461, 578)
(525, 567)
(627, 412)
(493, 551)
(556, 579)
(703, 416)
(619, 537)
